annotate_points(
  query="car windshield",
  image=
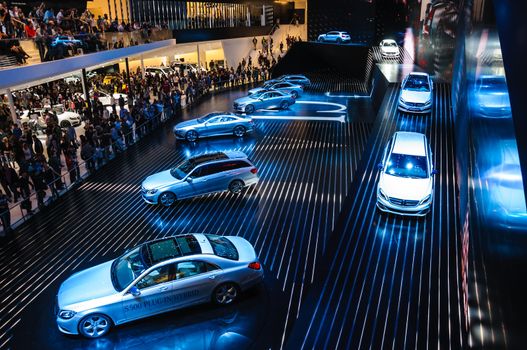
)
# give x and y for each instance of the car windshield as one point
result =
(127, 268)
(404, 165)
(180, 171)
(493, 84)
(58, 109)
(207, 117)
(390, 44)
(417, 84)
(222, 247)
(258, 94)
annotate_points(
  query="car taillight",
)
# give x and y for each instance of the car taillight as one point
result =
(254, 170)
(255, 265)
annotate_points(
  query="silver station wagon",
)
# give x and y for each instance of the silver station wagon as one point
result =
(264, 99)
(214, 124)
(155, 277)
(206, 173)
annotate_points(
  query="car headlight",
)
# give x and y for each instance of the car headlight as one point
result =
(428, 103)
(152, 191)
(426, 199)
(402, 99)
(66, 314)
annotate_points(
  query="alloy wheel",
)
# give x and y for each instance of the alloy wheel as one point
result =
(236, 186)
(95, 326)
(249, 109)
(191, 136)
(167, 199)
(226, 294)
(239, 131)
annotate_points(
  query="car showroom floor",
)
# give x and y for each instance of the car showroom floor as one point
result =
(338, 274)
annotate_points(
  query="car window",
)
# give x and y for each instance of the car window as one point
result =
(187, 269)
(213, 120)
(404, 165)
(222, 247)
(205, 170)
(158, 276)
(332, 33)
(267, 95)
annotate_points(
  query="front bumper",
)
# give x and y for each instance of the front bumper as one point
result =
(70, 326)
(388, 207)
(239, 108)
(390, 54)
(405, 107)
(150, 198)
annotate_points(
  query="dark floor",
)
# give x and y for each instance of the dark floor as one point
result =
(306, 169)
(390, 282)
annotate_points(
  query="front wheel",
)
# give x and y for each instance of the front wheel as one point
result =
(339, 41)
(225, 293)
(191, 136)
(284, 105)
(249, 109)
(239, 131)
(65, 124)
(294, 94)
(95, 326)
(167, 199)
(236, 186)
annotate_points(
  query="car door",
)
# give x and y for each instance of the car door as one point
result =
(195, 282)
(156, 294)
(213, 126)
(333, 36)
(207, 180)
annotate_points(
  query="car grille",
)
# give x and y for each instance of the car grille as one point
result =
(415, 104)
(403, 202)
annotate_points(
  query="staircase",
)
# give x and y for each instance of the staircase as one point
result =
(7, 61)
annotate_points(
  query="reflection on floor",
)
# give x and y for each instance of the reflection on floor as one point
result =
(391, 282)
(305, 168)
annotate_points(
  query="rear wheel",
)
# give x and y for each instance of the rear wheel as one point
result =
(284, 105)
(65, 124)
(225, 293)
(239, 131)
(249, 109)
(167, 199)
(191, 135)
(94, 326)
(236, 186)
(294, 94)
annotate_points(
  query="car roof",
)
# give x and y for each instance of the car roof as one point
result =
(410, 143)
(389, 41)
(167, 248)
(421, 74)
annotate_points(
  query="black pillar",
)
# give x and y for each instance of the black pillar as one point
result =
(130, 90)
(86, 89)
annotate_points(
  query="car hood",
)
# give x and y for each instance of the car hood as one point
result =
(69, 115)
(255, 90)
(159, 180)
(89, 284)
(405, 188)
(186, 124)
(117, 95)
(416, 96)
(244, 100)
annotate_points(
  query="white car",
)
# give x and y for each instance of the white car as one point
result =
(106, 98)
(163, 71)
(389, 48)
(416, 93)
(38, 116)
(335, 36)
(406, 181)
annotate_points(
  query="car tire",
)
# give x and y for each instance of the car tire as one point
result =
(166, 199)
(65, 124)
(239, 131)
(249, 109)
(236, 186)
(226, 293)
(294, 94)
(191, 136)
(95, 325)
(284, 105)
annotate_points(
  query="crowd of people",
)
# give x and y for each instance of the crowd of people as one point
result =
(29, 165)
(44, 25)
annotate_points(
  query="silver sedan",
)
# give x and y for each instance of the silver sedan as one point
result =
(214, 124)
(156, 277)
(294, 90)
(261, 100)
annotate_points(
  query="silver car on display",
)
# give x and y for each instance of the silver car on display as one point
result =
(335, 36)
(406, 181)
(214, 124)
(263, 100)
(416, 93)
(156, 277)
(294, 90)
(203, 174)
(296, 79)
(389, 48)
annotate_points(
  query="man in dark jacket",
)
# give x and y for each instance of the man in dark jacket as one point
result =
(5, 215)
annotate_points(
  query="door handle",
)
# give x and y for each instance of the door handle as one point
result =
(163, 288)
(212, 277)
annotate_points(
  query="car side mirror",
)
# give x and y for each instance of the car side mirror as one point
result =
(135, 291)
(189, 179)
(435, 172)
(380, 166)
